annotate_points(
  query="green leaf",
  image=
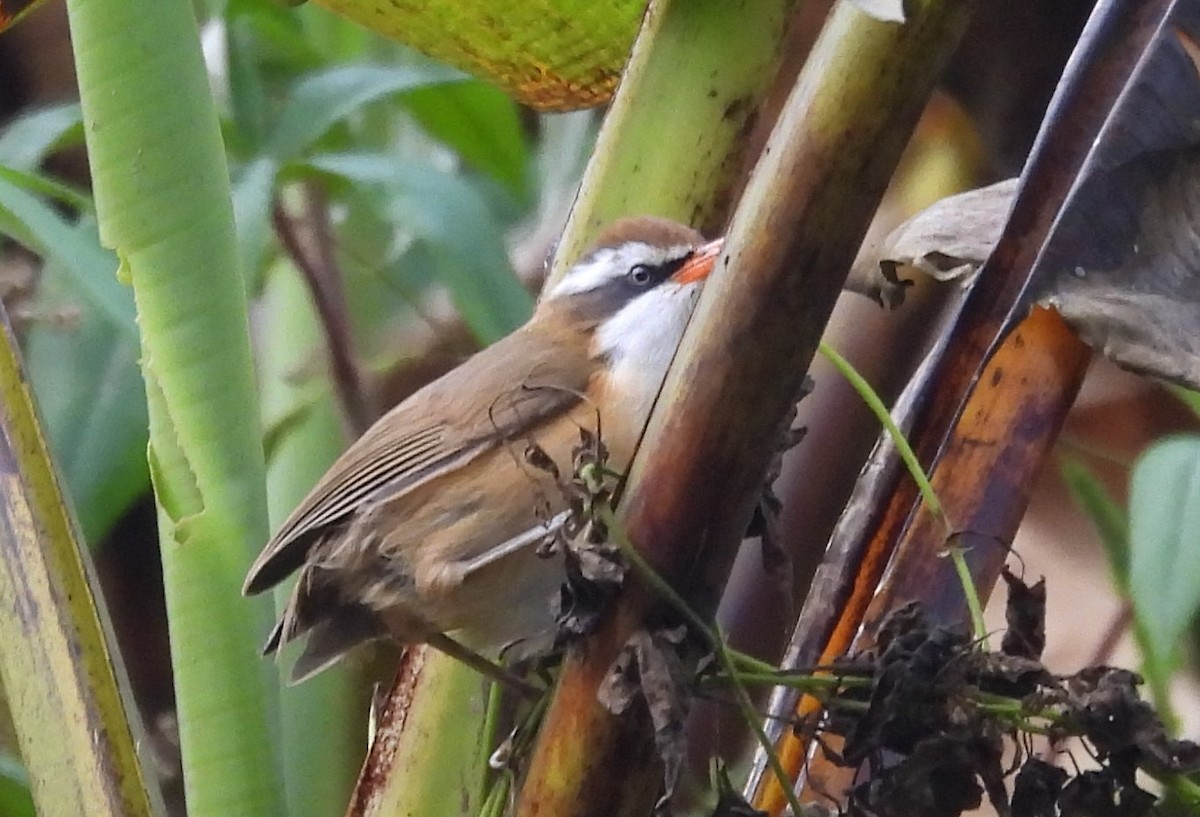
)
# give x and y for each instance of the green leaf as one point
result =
(27, 140)
(15, 799)
(77, 251)
(247, 90)
(1164, 532)
(327, 97)
(42, 185)
(315, 105)
(448, 214)
(1190, 398)
(252, 194)
(83, 368)
(89, 388)
(481, 124)
(1105, 514)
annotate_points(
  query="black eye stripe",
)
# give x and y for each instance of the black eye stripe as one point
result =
(647, 275)
(609, 296)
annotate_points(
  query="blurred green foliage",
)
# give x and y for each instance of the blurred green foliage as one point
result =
(428, 179)
(427, 175)
(1151, 547)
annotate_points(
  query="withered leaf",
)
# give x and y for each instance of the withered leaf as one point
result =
(1011, 675)
(594, 575)
(948, 241)
(1036, 789)
(937, 779)
(919, 669)
(651, 668)
(1125, 729)
(1123, 262)
(1025, 615)
(1097, 794)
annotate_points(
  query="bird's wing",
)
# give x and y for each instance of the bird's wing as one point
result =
(405, 450)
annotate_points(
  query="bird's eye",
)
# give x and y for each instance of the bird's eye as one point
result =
(640, 274)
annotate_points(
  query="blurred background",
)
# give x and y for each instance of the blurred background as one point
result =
(395, 215)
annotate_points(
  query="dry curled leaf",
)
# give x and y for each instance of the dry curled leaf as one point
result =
(1122, 264)
(1025, 615)
(1121, 261)
(651, 668)
(948, 241)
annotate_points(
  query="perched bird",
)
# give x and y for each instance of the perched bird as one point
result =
(426, 528)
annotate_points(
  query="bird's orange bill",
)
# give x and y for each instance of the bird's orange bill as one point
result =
(700, 263)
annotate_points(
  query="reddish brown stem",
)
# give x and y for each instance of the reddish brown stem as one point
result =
(701, 468)
(309, 243)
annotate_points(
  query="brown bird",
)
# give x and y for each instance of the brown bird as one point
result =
(425, 529)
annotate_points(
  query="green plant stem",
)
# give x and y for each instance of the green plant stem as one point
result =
(1185, 788)
(748, 663)
(872, 400)
(495, 798)
(978, 625)
(813, 684)
(161, 183)
(754, 720)
(493, 804)
(488, 732)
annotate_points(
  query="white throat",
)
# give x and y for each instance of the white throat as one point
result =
(640, 342)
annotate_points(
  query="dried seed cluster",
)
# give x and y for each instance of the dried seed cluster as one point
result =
(941, 714)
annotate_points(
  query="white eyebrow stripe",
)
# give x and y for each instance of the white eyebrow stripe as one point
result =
(609, 263)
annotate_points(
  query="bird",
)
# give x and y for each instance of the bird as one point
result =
(425, 529)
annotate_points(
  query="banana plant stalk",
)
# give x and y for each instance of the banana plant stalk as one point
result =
(73, 710)
(710, 441)
(982, 419)
(161, 184)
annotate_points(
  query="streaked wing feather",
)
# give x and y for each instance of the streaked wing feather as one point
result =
(376, 463)
(383, 464)
(377, 460)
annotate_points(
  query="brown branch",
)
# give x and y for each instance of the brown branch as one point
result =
(315, 260)
(990, 410)
(700, 471)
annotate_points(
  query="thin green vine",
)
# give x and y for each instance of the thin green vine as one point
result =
(871, 398)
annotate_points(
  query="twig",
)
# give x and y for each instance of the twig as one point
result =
(1117, 627)
(320, 272)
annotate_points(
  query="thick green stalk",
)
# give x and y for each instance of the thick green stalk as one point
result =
(323, 731)
(428, 754)
(76, 730)
(674, 141)
(162, 197)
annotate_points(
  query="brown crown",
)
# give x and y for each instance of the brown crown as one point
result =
(658, 232)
